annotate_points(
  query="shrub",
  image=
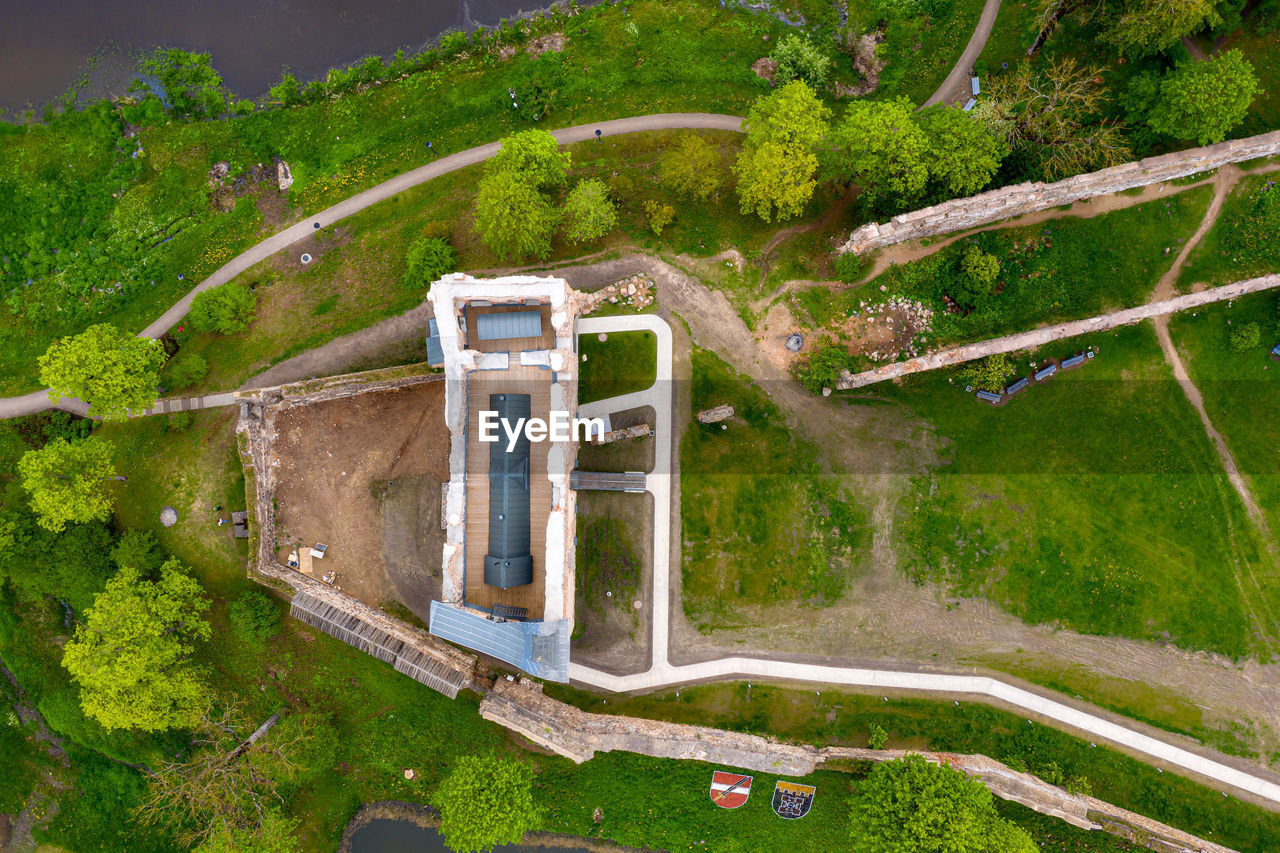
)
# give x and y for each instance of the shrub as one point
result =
(428, 259)
(823, 368)
(849, 267)
(691, 168)
(188, 370)
(588, 212)
(977, 279)
(800, 59)
(1244, 337)
(878, 737)
(659, 215)
(226, 309)
(988, 374)
(179, 421)
(254, 617)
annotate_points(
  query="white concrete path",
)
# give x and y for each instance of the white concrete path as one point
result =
(658, 482)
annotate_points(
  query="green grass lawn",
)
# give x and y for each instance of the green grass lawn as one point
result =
(921, 51)
(761, 521)
(1241, 391)
(840, 718)
(1212, 263)
(623, 363)
(1059, 270)
(1094, 502)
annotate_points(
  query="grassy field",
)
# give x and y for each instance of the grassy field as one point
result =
(623, 363)
(1212, 262)
(834, 717)
(1094, 502)
(1059, 270)
(760, 520)
(1241, 391)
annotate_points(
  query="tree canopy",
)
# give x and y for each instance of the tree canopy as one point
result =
(111, 370)
(588, 212)
(691, 168)
(1144, 27)
(911, 806)
(777, 163)
(881, 146)
(964, 153)
(513, 218)
(1204, 100)
(535, 156)
(227, 309)
(131, 655)
(67, 481)
(800, 59)
(485, 801)
(72, 564)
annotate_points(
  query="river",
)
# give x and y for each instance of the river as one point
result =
(404, 836)
(45, 46)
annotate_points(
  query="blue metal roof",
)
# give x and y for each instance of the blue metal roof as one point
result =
(511, 324)
(435, 355)
(538, 648)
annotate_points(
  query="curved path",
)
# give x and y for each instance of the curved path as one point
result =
(960, 72)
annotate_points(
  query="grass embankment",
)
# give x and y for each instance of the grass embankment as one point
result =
(1062, 269)
(1094, 501)
(834, 717)
(1241, 390)
(762, 521)
(623, 363)
(1217, 259)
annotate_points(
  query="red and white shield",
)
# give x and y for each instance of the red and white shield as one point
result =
(729, 790)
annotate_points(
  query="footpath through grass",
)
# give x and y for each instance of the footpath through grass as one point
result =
(1093, 501)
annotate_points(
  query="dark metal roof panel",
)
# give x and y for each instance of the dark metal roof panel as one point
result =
(509, 324)
(435, 355)
(509, 498)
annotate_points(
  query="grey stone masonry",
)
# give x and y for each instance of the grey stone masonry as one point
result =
(578, 735)
(1026, 340)
(1005, 203)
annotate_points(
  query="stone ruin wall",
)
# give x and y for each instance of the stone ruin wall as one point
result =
(579, 735)
(1007, 202)
(255, 432)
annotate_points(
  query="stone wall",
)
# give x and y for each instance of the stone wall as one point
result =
(1008, 202)
(579, 735)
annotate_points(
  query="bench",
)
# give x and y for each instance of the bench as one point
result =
(991, 398)
(1020, 385)
(1046, 372)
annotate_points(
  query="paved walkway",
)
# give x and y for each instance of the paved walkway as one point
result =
(956, 86)
(1037, 337)
(657, 483)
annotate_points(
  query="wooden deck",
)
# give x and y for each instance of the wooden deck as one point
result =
(480, 384)
(512, 345)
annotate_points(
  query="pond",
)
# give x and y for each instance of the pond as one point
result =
(44, 47)
(387, 835)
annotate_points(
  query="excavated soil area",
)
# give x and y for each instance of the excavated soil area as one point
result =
(363, 475)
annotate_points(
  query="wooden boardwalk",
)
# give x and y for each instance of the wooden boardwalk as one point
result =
(517, 379)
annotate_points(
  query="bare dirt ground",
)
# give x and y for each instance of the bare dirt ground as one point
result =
(363, 475)
(612, 632)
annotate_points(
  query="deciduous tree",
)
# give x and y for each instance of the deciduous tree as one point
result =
(485, 801)
(67, 481)
(691, 167)
(513, 218)
(227, 309)
(111, 370)
(534, 155)
(1144, 27)
(776, 167)
(963, 153)
(1204, 100)
(588, 212)
(880, 146)
(131, 655)
(911, 806)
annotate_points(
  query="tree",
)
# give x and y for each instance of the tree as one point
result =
(1204, 100)
(111, 370)
(776, 167)
(227, 309)
(485, 801)
(188, 370)
(659, 215)
(800, 59)
(880, 146)
(533, 155)
(72, 564)
(428, 259)
(691, 168)
(963, 153)
(254, 617)
(1244, 337)
(513, 218)
(67, 481)
(911, 806)
(977, 280)
(1144, 27)
(588, 212)
(988, 374)
(1054, 109)
(131, 655)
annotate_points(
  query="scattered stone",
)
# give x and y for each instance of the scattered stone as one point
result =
(284, 177)
(168, 516)
(765, 68)
(715, 415)
(795, 341)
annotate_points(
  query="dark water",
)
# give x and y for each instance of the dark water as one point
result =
(45, 44)
(402, 836)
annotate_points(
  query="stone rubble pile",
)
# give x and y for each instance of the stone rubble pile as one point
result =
(633, 292)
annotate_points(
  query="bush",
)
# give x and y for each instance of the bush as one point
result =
(977, 279)
(179, 421)
(691, 168)
(849, 267)
(659, 215)
(227, 309)
(188, 370)
(988, 374)
(428, 259)
(588, 212)
(878, 737)
(1244, 337)
(800, 59)
(823, 368)
(254, 617)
